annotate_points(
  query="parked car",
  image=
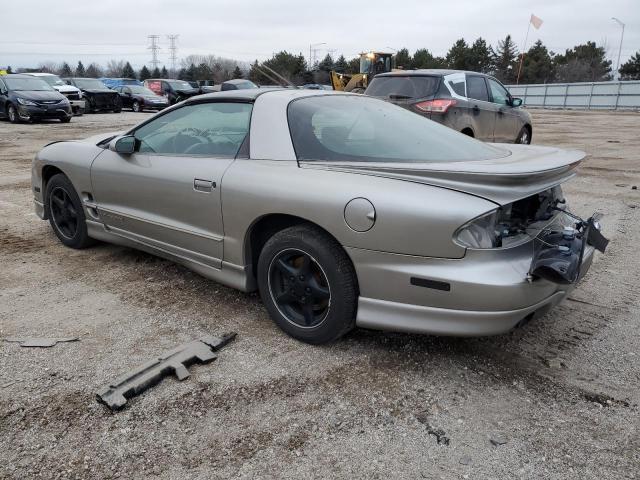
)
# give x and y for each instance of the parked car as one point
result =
(96, 95)
(118, 82)
(475, 104)
(73, 94)
(25, 98)
(139, 98)
(341, 209)
(174, 90)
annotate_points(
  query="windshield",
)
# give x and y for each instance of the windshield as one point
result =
(53, 80)
(141, 90)
(27, 84)
(361, 129)
(417, 86)
(245, 85)
(90, 83)
(179, 85)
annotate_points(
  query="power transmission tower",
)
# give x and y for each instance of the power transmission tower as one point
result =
(155, 48)
(173, 48)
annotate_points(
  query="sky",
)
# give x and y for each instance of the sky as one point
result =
(36, 31)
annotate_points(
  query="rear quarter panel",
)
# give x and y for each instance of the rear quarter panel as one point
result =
(411, 218)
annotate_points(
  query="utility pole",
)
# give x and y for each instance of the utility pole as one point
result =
(620, 47)
(155, 48)
(173, 48)
(312, 53)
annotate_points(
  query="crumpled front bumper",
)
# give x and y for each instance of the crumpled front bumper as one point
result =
(41, 112)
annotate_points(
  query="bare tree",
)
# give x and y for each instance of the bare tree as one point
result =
(49, 67)
(115, 68)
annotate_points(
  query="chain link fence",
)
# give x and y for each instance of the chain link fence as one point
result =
(588, 96)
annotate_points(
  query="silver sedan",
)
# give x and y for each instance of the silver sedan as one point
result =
(342, 210)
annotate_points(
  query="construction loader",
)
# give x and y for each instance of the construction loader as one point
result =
(371, 64)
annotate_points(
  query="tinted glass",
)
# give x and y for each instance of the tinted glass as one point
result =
(209, 129)
(403, 86)
(458, 86)
(477, 88)
(364, 129)
(90, 84)
(52, 80)
(498, 92)
(180, 85)
(30, 84)
(140, 90)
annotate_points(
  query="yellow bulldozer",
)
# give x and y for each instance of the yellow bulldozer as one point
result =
(371, 64)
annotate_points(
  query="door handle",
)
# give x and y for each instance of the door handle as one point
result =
(476, 109)
(202, 185)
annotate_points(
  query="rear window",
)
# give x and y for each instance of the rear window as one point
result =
(363, 129)
(403, 86)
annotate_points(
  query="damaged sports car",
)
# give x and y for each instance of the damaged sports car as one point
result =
(341, 210)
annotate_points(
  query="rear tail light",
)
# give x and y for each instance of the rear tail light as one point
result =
(440, 105)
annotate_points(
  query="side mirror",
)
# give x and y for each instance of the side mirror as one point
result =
(516, 102)
(125, 145)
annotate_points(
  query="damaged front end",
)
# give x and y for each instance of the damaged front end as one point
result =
(559, 237)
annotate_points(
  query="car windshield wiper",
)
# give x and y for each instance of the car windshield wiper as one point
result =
(397, 96)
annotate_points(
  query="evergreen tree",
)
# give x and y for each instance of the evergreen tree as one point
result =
(403, 59)
(182, 74)
(630, 70)
(65, 70)
(353, 66)
(326, 64)
(583, 63)
(459, 56)
(479, 57)
(128, 72)
(191, 73)
(506, 61)
(156, 73)
(94, 71)
(537, 65)
(341, 64)
(164, 73)
(203, 72)
(237, 73)
(80, 72)
(144, 73)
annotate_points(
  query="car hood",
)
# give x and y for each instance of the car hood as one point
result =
(526, 171)
(39, 95)
(98, 90)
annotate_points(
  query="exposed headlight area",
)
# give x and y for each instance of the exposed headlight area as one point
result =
(513, 224)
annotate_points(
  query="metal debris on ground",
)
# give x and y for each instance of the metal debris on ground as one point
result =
(115, 394)
(40, 342)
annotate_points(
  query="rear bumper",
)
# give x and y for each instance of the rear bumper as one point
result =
(484, 293)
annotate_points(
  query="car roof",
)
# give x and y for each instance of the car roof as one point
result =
(40, 74)
(253, 93)
(427, 72)
(17, 75)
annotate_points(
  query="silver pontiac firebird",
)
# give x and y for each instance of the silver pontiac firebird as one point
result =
(341, 209)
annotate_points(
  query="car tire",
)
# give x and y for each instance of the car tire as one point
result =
(136, 107)
(524, 137)
(298, 269)
(12, 114)
(88, 105)
(65, 213)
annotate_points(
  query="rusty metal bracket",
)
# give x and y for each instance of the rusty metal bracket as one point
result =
(116, 393)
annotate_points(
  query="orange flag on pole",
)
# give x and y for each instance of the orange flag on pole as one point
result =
(536, 21)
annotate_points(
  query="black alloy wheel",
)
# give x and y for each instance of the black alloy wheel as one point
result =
(299, 288)
(308, 284)
(12, 113)
(64, 211)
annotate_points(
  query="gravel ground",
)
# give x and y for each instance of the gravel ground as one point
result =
(557, 398)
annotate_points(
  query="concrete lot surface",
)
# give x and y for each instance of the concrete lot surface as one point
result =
(557, 398)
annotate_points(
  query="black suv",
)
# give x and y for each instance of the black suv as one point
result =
(26, 98)
(472, 103)
(97, 95)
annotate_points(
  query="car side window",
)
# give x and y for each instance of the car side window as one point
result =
(206, 129)
(126, 90)
(477, 88)
(498, 92)
(457, 85)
